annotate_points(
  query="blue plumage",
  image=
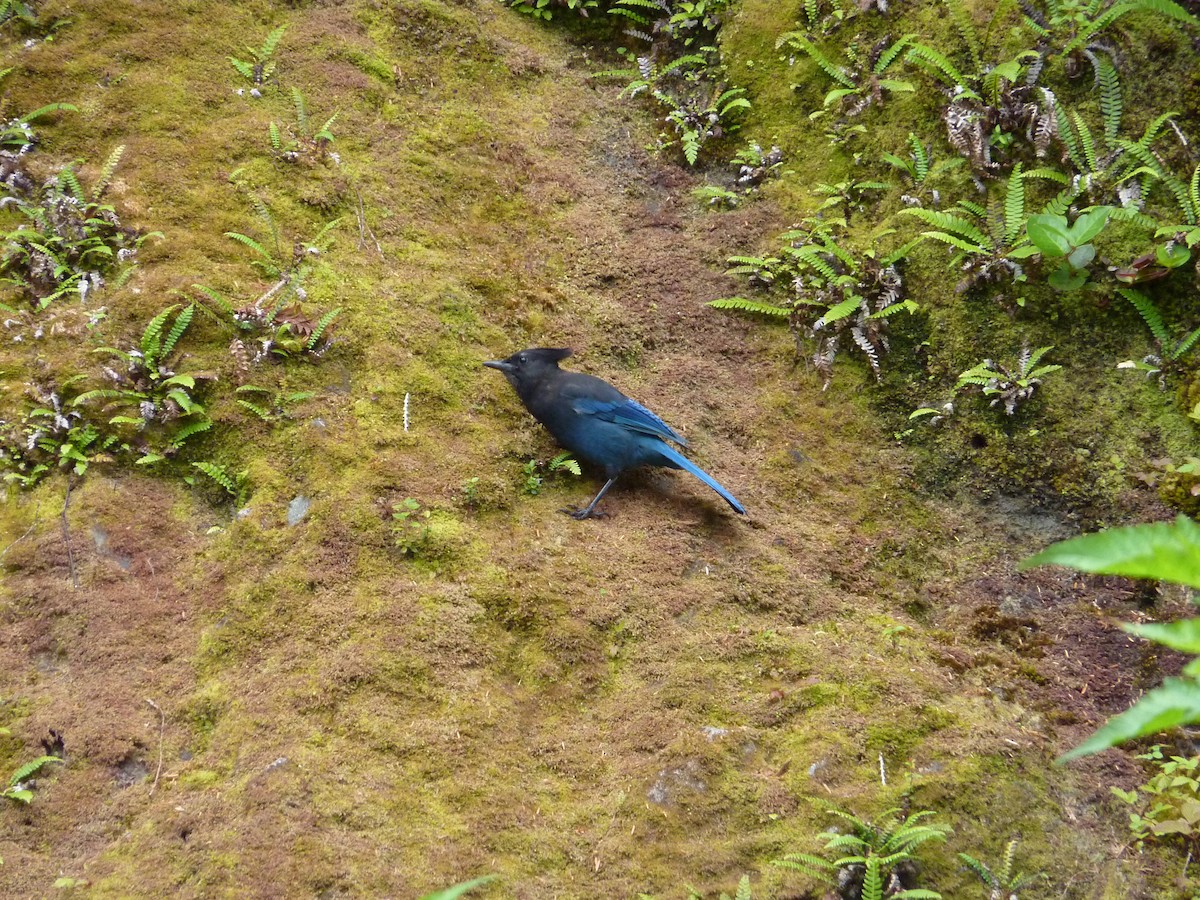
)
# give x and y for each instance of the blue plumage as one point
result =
(595, 421)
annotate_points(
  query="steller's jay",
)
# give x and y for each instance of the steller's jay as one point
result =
(595, 421)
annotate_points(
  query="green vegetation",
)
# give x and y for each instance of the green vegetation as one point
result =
(18, 788)
(1167, 806)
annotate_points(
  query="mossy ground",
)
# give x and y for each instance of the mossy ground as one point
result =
(587, 709)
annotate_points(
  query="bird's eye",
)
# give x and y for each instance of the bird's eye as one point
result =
(522, 358)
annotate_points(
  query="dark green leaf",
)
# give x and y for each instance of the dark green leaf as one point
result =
(1162, 550)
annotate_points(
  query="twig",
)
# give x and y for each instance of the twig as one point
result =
(882, 772)
(28, 531)
(363, 228)
(67, 537)
(162, 725)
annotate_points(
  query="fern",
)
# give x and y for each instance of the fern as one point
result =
(106, 172)
(69, 180)
(301, 110)
(796, 39)
(930, 59)
(152, 336)
(920, 157)
(181, 324)
(1014, 206)
(223, 305)
(269, 45)
(276, 141)
(1149, 313)
(219, 475)
(319, 329)
(1110, 97)
(945, 222)
(1087, 143)
(889, 55)
(741, 304)
(961, 18)
(31, 768)
(188, 430)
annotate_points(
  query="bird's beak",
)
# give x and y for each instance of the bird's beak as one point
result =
(502, 364)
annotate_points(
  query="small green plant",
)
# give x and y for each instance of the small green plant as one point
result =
(19, 789)
(838, 298)
(1072, 28)
(1168, 805)
(536, 472)
(234, 484)
(410, 526)
(756, 165)
(270, 405)
(1161, 551)
(1011, 386)
(17, 136)
(872, 860)
(544, 9)
(989, 240)
(716, 197)
(303, 141)
(1172, 351)
(1002, 883)
(260, 68)
(920, 172)
(70, 241)
(863, 81)
(1055, 238)
(167, 412)
(51, 435)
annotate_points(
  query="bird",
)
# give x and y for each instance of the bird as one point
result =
(596, 422)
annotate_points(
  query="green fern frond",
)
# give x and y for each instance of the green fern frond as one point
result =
(301, 110)
(945, 222)
(152, 336)
(182, 321)
(1014, 206)
(1045, 173)
(1087, 143)
(741, 304)
(810, 865)
(1149, 313)
(920, 157)
(888, 56)
(186, 431)
(69, 180)
(272, 41)
(930, 59)
(1154, 129)
(46, 110)
(219, 475)
(264, 213)
(31, 768)
(252, 244)
(961, 18)
(1186, 344)
(1110, 96)
(254, 408)
(1066, 133)
(106, 172)
(222, 304)
(276, 140)
(322, 324)
(799, 41)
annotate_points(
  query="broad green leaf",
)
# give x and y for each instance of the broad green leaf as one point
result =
(1172, 255)
(1176, 702)
(1167, 551)
(1183, 635)
(1088, 225)
(1049, 233)
(1065, 278)
(1080, 257)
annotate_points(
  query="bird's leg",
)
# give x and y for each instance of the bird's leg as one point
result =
(587, 512)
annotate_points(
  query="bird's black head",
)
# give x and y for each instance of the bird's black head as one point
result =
(527, 367)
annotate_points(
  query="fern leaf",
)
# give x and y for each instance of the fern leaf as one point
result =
(741, 304)
(69, 180)
(31, 768)
(182, 321)
(322, 324)
(276, 141)
(1149, 313)
(888, 56)
(953, 224)
(1154, 129)
(1193, 214)
(46, 110)
(106, 172)
(930, 59)
(1110, 97)
(1066, 134)
(222, 304)
(271, 43)
(797, 40)
(217, 474)
(188, 430)
(1087, 143)
(1186, 344)
(301, 110)
(961, 18)
(152, 336)
(1014, 206)
(244, 68)
(252, 244)
(1047, 174)
(257, 410)
(920, 157)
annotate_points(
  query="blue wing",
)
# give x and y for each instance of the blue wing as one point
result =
(628, 414)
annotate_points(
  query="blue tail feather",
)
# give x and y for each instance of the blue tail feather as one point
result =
(687, 465)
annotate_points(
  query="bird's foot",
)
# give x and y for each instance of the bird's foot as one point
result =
(581, 514)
